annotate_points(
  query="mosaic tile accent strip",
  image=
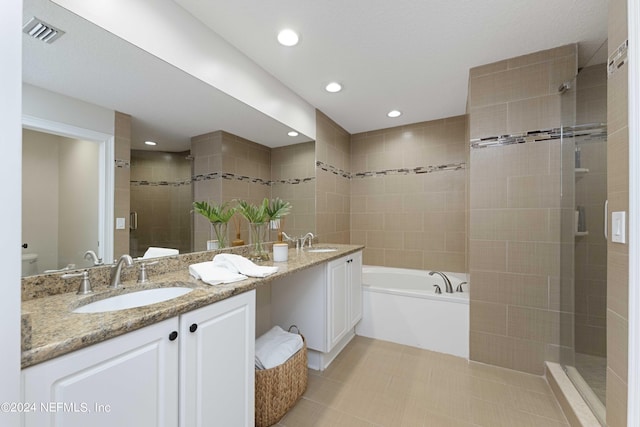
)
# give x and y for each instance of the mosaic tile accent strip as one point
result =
(400, 171)
(591, 131)
(231, 176)
(178, 183)
(124, 164)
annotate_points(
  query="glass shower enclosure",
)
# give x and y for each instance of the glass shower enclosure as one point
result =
(583, 287)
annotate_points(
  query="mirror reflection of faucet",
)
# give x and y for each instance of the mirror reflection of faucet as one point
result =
(91, 256)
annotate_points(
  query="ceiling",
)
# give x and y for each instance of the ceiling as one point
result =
(167, 105)
(410, 55)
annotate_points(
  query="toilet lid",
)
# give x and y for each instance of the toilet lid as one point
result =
(29, 257)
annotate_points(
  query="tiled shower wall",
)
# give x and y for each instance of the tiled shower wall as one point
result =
(408, 195)
(618, 193)
(161, 196)
(516, 212)
(333, 158)
(591, 193)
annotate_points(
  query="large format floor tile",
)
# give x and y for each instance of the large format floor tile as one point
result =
(377, 383)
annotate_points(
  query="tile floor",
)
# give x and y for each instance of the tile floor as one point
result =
(377, 383)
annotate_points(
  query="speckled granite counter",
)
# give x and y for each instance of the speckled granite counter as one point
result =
(56, 330)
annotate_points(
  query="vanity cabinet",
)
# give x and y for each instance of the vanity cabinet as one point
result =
(325, 302)
(192, 370)
(217, 364)
(344, 286)
(128, 380)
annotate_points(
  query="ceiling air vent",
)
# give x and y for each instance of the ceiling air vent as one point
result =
(41, 30)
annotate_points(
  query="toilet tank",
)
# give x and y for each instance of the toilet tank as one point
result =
(29, 264)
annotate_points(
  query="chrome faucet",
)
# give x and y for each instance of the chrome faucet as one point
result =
(91, 255)
(288, 238)
(116, 269)
(309, 236)
(447, 282)
(460, 288)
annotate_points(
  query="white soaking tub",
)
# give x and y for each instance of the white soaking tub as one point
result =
(401, 305)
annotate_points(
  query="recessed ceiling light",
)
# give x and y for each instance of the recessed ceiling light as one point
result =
(150, 143)
(333, 87)
(288, 37)
(394, 113)
(293, 133)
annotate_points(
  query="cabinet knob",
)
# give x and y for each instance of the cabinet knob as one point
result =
(193, 327)
(173, 335)
(25, 245)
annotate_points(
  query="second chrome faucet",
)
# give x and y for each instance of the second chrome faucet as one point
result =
(117, 269)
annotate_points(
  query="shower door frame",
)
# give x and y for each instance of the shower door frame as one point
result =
(633, 380)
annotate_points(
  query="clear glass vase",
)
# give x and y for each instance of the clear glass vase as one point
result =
(257, 237)
(219, 233)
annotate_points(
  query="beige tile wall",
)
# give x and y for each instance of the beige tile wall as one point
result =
(259, 165)
(519, 94)
(516, 211)
(411, 220)
(333, 200)
(122, 190)
(206, 151)
(296, 162)
(618, 254)
(164, 217)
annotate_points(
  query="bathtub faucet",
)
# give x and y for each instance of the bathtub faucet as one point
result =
(447, 283)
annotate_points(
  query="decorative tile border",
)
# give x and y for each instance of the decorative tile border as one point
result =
(591, 131)
(400, 171)
(222, 175)
(144, 183)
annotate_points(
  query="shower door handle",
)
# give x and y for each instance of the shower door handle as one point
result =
(606, 219)
(133, 220)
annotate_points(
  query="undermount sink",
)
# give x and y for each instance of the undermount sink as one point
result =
(319, 250)
(132, 300)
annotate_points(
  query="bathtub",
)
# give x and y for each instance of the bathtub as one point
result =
(400, 305)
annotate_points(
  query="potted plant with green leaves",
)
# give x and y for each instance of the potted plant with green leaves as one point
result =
(258, 217)
(277, 210)
(218, 216)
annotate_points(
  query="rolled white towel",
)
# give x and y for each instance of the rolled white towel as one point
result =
(158, 252)
(212, 274)
(276, 347)
(239, 264)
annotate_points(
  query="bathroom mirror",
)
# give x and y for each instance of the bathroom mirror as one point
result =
(166, 105)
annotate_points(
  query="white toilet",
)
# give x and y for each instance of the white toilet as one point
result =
(29, 264)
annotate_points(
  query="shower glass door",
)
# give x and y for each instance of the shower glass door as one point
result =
(583, 290)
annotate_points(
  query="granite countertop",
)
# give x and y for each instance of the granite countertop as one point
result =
(56, 330)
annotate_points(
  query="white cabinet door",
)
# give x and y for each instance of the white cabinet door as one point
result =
(338, 305)
(355, 288)
(217, 374)
(130, 380)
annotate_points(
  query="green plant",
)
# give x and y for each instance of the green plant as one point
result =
(278, 208)
(254, 214)
(214, 213)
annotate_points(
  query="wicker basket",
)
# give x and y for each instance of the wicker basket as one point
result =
(278, 389)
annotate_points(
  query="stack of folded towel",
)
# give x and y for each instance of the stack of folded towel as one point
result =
(153, 252)
(276, 347)
(228, 268)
